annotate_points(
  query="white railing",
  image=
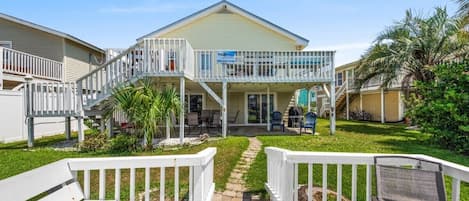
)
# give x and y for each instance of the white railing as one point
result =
(21, 63)
(259, 66)
(151, 57)
(201, 185)
(282, 172)
(39, 181)
(50, 99)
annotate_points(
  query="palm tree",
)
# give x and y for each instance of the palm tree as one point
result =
(411, 48)
(146, 107)
(463, 10)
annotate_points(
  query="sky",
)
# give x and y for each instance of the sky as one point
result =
(347, 26)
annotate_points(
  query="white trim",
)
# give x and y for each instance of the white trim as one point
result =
(246, 106)
(232, 8)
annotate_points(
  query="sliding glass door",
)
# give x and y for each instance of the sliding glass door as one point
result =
(257, 107)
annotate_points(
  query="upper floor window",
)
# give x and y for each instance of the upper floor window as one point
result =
(339, 80)
(7, 44)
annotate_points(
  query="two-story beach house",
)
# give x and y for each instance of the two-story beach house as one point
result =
(44, 55)
(222, 58)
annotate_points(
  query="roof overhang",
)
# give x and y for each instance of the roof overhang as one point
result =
(50, 31)
(232, 8)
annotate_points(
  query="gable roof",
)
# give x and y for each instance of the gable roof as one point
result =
(50, 31)
(232, 8)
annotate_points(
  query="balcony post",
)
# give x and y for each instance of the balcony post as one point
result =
(181, 114)
(67, 128)
(1, 68)
(268, 108)
(332, 98)
(224, 109)
(382, 105)
(347, 95)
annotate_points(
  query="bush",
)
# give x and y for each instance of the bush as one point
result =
(123, 143)
(442, 106)
(94, 142)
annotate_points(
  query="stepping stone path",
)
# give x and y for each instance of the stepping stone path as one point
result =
(235, 188)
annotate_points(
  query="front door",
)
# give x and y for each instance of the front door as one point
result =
(257, 107)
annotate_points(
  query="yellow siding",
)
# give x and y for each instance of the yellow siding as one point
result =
(32, 41)
(391, 106)
(236, 103)
(230, 31)
(77, 61)
(372, 104)
(283, 99)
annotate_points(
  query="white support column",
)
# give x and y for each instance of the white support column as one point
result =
(1, 68)
(332, 99)
(382, 105)
(309, 100)
(68, 133)
(30, 131)
(81, 130)
(224, 109)
(109, 126)
(361, 102)
(168, 130)
(268, 108)
(347, 101)
(182, 86)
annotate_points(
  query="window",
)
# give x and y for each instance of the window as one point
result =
(205, 61)
(339, 79)
(7, 44)
(194, 103)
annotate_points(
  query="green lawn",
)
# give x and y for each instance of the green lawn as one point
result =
(16, 158)
(351, 137)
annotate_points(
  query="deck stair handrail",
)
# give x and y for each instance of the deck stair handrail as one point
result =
(21, 63)
(282, 172)
(39, 181)
(150, 57)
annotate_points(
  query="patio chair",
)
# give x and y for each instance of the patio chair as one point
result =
(192, 120)
(205, 116)
(216, 122)
(277, 121)
(406, 178)
(309, 122)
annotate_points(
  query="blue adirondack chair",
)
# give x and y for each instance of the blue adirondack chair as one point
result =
(309, 122)
(277, 121)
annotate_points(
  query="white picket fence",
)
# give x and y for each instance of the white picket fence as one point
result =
(282, 172)
(39, 181)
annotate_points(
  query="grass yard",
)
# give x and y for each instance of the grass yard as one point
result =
(16, 158)
(352, 137)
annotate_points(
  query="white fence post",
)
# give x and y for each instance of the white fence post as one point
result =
(1, 68)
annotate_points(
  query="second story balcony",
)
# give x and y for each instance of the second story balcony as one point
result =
(17, 63)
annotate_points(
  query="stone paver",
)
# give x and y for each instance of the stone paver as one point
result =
(235, 188)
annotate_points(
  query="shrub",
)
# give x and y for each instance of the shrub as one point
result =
(123, 143)
(442, 106)
(94, 142)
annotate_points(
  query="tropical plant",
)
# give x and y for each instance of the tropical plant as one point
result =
(443, 110)
(147, 107)
(411, 48)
